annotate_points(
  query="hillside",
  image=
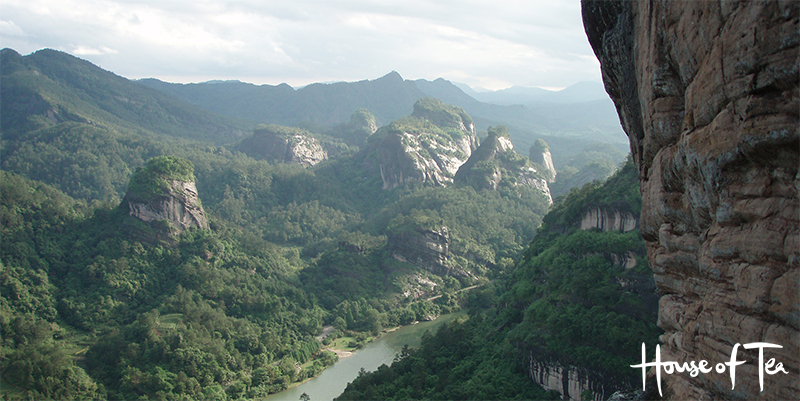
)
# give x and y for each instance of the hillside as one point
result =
(48, 88)
(146, 258)
(69, 123)
(388, 98)
(139, 262)
(572, 314)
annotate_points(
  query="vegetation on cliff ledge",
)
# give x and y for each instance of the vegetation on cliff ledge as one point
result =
(153, 179)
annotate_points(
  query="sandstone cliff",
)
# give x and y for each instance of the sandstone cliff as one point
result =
(163, 195)
(606, 219)
(425, 248)
(283, 144)
(429, 146)
(556, 280)
(569, 381)
(707, 92)
(424, 243)
(540, 155)
(496, 163)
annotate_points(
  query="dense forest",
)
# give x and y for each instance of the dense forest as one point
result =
(94, 307)
(569, 302)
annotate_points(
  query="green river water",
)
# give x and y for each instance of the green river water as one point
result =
(334, 379)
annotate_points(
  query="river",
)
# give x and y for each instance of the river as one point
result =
(333, 380)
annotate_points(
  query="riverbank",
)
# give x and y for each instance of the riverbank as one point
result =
(380, 350)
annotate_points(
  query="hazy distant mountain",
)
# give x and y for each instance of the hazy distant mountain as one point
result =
(597, 120)
(387, 98)
(391, 97)
(581, 92)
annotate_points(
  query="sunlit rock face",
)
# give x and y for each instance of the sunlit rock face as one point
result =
(162, 199)
(571, 382)
(428, 146)
(540, 154)
(496, 160)
(180, 207)
(283, 145)
(707, 92)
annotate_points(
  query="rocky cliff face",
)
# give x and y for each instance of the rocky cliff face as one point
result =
(283, 144)
(163, 195)
(608, 220)
(496, 163)
(570, 381)
(180, 207)
(429, 146)
(540, 155)
(425, 248)
(707, 92)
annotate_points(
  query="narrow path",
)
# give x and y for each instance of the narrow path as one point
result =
(457, 292)
(326, 331)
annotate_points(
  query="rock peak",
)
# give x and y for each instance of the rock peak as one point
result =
(283, 144)
(163, 195)
(496, 164)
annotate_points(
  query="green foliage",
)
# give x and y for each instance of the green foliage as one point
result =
(153, 179)
(463, 360)
(278, 130)
(416, 221)
(539, 146)
(579, 305)
(620, 192)
(169, 321)
(232, 312)
(441, 114)
(47, 372)
(85, 161)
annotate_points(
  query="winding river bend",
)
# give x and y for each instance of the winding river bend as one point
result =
(334, 379)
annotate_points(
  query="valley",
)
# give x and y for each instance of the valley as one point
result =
(159, 259)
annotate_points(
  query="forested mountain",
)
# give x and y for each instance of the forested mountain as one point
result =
(570, 317)
(388, 98)
(144, 255)
(141, 258)
(49, 87)
(391, 97)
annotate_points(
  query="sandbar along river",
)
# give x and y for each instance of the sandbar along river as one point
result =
(333, 380)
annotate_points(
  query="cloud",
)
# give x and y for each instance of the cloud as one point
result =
(10, 28)
(92, 51)
(503, 42)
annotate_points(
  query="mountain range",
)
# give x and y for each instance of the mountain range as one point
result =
(529, 113)
(152, 247)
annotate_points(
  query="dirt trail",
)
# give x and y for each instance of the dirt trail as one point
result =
(459, 291)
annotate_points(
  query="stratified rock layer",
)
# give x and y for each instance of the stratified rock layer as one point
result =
(707, 92)
(608, 220)
(180, 207)
(425, 248)
(428, 147)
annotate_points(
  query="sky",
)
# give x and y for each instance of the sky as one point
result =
(492, 44)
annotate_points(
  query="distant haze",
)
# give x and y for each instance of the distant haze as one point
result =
(492, 45)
